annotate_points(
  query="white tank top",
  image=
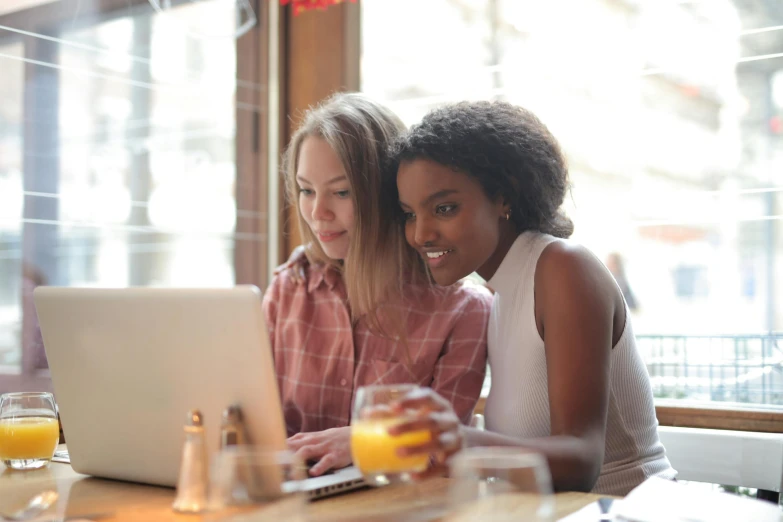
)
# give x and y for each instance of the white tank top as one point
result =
(518, 401)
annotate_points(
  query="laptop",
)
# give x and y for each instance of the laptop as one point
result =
(128, 364)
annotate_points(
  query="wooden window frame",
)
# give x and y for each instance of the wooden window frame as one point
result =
(709, 415)
(721, 416)
(321, 56)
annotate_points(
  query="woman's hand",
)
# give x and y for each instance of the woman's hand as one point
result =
(436, 415)
(295, 265)
(331, 448)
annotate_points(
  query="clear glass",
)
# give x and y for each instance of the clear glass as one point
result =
(498, 485)
(29, 430)
(374, 451)
(249, 484)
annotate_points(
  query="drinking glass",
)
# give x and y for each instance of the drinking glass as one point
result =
(249, 484)
(374, 451)
(499, 485)
(29, 431)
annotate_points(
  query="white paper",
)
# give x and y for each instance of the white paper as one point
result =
(660, 500)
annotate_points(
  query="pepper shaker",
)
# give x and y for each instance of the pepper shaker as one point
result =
(232, 430)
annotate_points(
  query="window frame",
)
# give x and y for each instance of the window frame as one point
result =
(316, 64)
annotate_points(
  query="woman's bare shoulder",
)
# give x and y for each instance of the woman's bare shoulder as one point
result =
(570, 269)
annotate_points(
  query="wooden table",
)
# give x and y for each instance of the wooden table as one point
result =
(80, 494)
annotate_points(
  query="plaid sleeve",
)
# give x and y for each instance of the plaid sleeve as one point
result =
(269, 306)
(462, 365)
(280, 287)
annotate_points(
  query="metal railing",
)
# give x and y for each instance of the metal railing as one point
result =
(729, 368)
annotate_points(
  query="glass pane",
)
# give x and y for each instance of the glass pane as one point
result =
(11, 96)
(9, 6)
(127, 123)
(671, 117)
(147, 176)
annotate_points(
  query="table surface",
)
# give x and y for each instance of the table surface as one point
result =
(128, 502)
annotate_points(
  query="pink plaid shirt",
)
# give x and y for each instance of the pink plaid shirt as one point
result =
(320, 360)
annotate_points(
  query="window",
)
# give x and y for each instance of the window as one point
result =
(11, 91)
(670, 114)
(119, 154)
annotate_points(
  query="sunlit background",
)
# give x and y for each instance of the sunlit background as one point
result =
(671, 115)
(118, 167)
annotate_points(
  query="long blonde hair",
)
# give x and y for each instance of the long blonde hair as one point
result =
(379, 261)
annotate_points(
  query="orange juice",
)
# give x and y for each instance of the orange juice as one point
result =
(28, 438)
(375, 451)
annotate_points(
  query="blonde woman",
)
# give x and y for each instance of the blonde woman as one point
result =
(329, 333)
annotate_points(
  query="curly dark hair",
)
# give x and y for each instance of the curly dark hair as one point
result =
(506, 148)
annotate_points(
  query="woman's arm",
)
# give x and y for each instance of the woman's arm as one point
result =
(571, 459)
(269, 306)
(462, 365)
(576, 302)
(289, 274)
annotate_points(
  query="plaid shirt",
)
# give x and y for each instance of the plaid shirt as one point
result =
(320, 360)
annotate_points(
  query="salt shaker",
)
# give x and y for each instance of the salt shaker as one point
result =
(192, 482)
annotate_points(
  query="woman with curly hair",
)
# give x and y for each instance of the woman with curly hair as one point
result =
(480, 186)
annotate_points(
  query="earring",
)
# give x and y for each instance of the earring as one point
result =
(508, 215)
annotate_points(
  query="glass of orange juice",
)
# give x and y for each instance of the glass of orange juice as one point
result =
(374, 451)
(29, 430)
